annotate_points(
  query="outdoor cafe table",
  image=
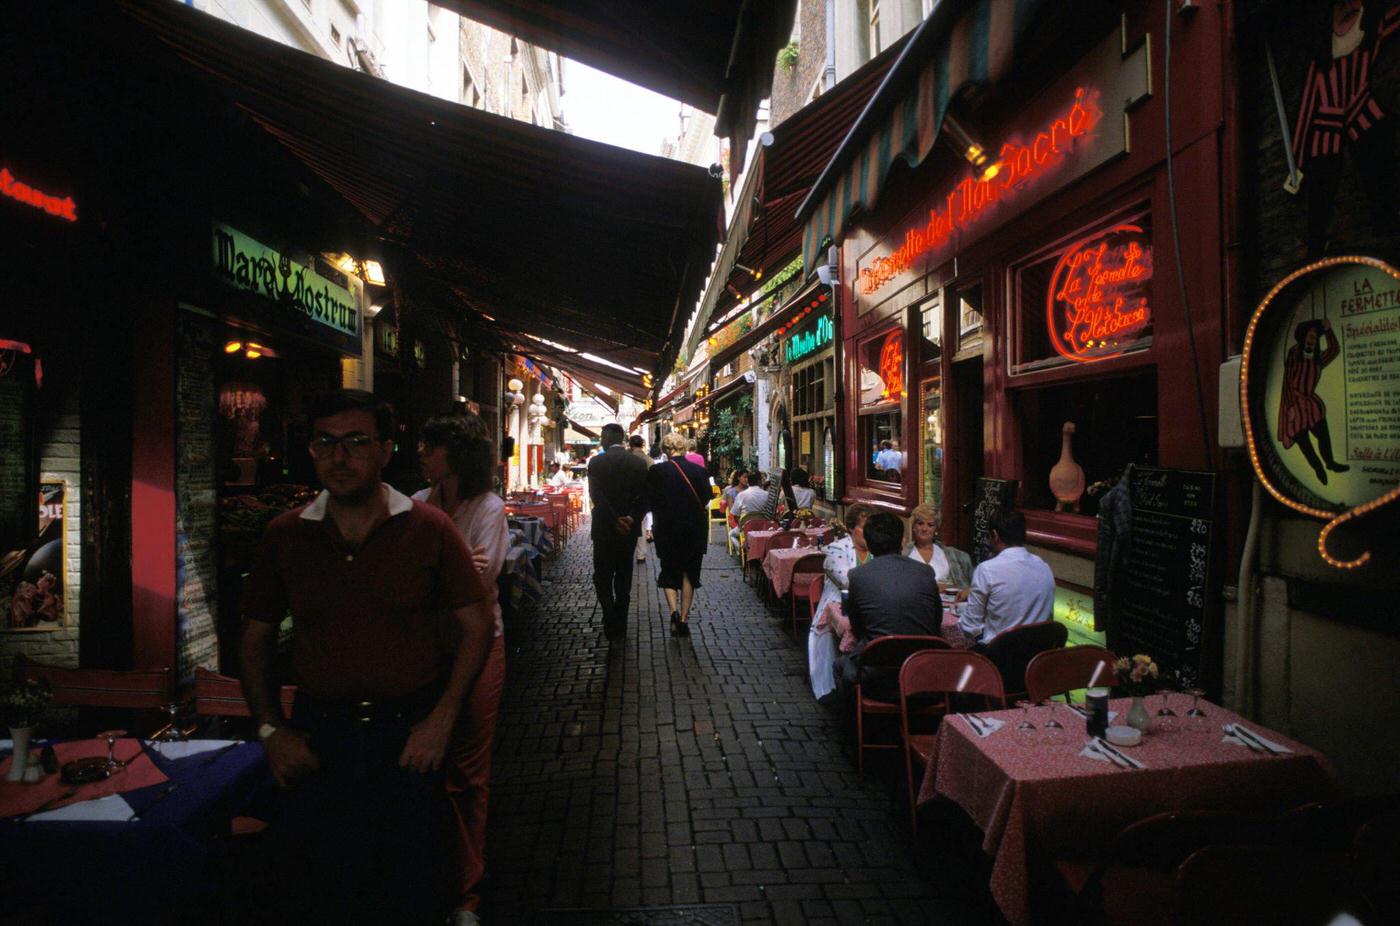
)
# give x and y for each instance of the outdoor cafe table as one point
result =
(151, 869)
(758, 541)
(1035, 800)
(779, 563)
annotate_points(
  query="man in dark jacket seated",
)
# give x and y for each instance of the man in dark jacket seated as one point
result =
(890, 595)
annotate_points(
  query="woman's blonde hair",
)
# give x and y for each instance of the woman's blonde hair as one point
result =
(674, 444)
(925, 512)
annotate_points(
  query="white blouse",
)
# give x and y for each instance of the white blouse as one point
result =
(939, 561)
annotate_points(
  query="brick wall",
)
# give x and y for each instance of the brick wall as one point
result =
(791, 88)
(59, 457)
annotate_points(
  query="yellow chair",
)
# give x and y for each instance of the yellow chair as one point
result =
(717, 516)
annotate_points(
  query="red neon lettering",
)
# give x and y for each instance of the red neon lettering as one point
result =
(1097, 302)
(64, 208)
(1019, 163)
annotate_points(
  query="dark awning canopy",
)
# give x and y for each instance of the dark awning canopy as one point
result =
(530, 230)
(716, 55)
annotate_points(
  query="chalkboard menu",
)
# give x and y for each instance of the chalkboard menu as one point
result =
(1161, 589)
(18, 483)
(990, 496)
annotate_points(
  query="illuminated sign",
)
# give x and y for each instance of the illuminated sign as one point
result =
(1097, 304)
(1320, 396)
(808, 342)
(251, 265)
(1019, 164)
(64, 208)
(882, 370)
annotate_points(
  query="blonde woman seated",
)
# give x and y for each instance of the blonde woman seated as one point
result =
(951, 566)
(825, 636)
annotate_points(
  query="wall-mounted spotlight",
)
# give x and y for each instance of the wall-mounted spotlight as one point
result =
(756, 274)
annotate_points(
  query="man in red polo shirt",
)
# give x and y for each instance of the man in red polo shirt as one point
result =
(372, 580)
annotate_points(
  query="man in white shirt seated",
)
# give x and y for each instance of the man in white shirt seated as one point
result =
(560, 477)
(751, 500)
(1012, 588)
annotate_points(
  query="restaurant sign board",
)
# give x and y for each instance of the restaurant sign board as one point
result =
(1078, 124)
(810, 339)
(1320, 389)
(248, 264)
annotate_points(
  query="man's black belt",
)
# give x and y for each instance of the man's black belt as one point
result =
(376, 709)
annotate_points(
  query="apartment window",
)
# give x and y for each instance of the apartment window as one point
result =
(471, 96)
(335, 36)
(875, 44)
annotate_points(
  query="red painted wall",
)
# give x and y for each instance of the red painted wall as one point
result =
(153, 495)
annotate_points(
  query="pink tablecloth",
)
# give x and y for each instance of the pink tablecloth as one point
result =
(778, 566)
(833, 620)
(758, 541)
(1036, 800)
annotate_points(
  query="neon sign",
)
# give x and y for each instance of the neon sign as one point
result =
(248, 264)
(64, 208)
(1018, 165)
(884, 383)
(1097, 305)
(806, 343)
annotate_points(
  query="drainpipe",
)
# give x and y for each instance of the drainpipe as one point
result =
(1245, 656)
(829, 78)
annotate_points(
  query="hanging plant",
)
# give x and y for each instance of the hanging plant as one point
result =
(787, 56)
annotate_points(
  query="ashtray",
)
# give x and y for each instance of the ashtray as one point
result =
(1123, 736)
(85, 771)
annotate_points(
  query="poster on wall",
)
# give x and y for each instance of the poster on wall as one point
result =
(1321, 392)
(32, 577)
(196, 497)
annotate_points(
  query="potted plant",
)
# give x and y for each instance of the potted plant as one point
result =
(23, 706)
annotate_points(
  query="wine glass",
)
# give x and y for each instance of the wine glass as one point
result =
(113, 764)
(1054, 730)
(172, 732)
(1195, 716)
(1025, 728)
(1166, 717)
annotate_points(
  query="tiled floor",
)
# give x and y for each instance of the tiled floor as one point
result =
(659, 772)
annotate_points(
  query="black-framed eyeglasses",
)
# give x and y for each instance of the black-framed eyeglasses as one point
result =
(356, 445)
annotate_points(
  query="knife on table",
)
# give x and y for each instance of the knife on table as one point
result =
(975, 723)
(1253, 741)
(1127, 762)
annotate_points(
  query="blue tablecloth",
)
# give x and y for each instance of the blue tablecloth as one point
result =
(156, 869)
(535, 531)
(522, 569)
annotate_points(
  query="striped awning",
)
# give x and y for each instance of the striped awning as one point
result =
(960, 43)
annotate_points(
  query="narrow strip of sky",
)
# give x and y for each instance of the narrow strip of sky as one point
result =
(608, 109)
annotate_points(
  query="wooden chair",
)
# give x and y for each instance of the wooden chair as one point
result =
(807, 574)
(216, 695)
(1374, 858)
(1331, 826)
(1013, 650)
(1060, 670)
(1227, 885)
(939, 672)
(1134, 879)
(883, 653)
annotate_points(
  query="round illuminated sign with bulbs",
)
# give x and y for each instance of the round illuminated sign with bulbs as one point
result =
(1320, 393)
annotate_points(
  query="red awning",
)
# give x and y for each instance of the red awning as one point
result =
(811, 298)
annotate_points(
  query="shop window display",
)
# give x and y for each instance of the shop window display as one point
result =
(1114, 423)
(882, 390)
(931, 490)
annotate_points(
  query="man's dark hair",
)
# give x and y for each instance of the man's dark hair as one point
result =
(636, 440)
(612, 434)
(801, 478)
(886, 445)
(1010, 527)
(354, 400)
(884, 533)
(738, 474)
(469, 453)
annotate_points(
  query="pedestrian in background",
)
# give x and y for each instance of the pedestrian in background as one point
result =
(459, 461)
(677, 491)
(636, 444)
(616, 479)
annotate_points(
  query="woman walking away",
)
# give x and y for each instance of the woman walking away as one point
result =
(459, 460)
(951, 566)
(824, 638)
(677, 490)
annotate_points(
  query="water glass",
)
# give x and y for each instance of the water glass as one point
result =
(111, 736)
(1025, 729)
(1166, 717)
(1196, 719)
(1054, 730)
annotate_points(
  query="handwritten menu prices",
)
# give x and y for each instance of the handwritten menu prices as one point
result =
(196, 500)
(989, 497)
(1165, 574)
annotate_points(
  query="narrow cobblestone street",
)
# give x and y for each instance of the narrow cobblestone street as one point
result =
(663, 772)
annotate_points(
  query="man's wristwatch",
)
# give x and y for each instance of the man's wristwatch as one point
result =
(266, 730)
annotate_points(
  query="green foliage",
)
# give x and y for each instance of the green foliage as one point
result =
(787, 56)
(726, 435)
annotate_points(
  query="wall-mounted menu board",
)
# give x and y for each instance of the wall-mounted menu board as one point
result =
(18, 478)
(1161, 591)
(989, 497)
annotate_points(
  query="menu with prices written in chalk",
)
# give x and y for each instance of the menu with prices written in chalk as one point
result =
(990, 496)
(1165, 575)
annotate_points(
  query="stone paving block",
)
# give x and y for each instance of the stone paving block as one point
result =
(659, 771)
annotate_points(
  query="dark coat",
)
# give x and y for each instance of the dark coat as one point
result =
(680, 522)
(616, 479)
(890, 595)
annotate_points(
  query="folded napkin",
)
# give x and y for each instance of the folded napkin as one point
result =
(1237, 734)
(1106, 752)
(186, 748)
(983, 726)
(110, 809)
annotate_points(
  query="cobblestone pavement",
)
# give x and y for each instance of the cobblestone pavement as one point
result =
(663, 772)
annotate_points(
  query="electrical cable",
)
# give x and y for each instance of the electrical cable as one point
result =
(1176, 240)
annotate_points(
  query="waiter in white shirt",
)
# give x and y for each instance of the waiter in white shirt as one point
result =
(1013, 588)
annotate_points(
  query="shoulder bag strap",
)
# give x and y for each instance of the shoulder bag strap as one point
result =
(686, 480)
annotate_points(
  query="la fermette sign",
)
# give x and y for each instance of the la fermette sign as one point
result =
(248, 264)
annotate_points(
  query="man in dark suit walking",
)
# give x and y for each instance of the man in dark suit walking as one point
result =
(891, 594)
(615, 481)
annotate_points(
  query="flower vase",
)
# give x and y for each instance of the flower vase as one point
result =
(1138, 716)
(19, 758)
